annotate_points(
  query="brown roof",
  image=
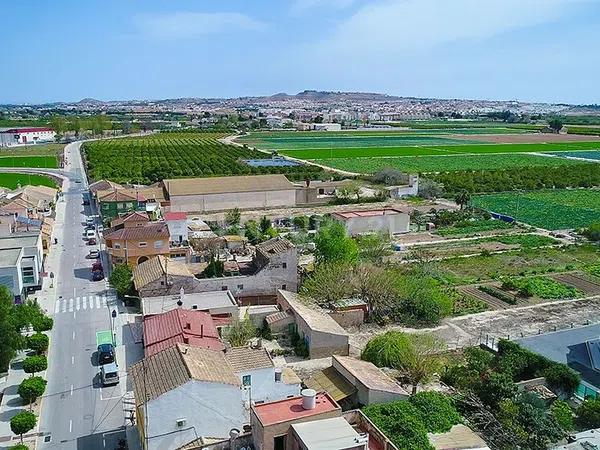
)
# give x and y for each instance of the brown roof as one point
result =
(274, 246)
(166, 370)
(151, 270)
(222, 185)
(369, 374)
(119, 195)
(148, 231)
(134, 216)
(246, 358)
(331, 381)
(103, 185)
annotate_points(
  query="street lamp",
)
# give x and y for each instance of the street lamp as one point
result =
(113, 316)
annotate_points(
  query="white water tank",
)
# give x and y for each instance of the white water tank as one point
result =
(309, 399)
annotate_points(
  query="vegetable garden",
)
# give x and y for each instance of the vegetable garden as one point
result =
(152, 158)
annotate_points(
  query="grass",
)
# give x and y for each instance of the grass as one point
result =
(517, 263)
(552, 210)
(429, 164)
(46, 162)
(476, 226)
(542, 287)
(41, 149)
(12, 180)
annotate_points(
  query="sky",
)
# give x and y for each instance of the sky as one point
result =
(527, 50)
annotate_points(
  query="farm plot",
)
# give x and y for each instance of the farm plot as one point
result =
(152, 158)
(14, 180)
(46, 162)
(581, 281)
(589, 154)
(430, 164)
(552, 210)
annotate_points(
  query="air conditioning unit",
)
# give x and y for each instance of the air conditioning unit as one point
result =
(180, 423)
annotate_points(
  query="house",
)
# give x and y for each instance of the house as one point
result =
(130, 220)
(136, 244)
(224, 193)
(33, 202)
(322, 335)
(104, 185)
(10, 137)
(578, 348)
(219, 304)
(460, 437)
(178, 326)
(161, 276)
(178, 230)
(388, 221)
(356, 382)
(261, 380)
(113, 202)
(409, 188)
(21, 263)
(183, 393)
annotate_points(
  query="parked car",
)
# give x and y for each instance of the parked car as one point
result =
(94, 254)
(109, 373)
(89, 227)
(106, 354)
(98, 275)
(86, 202)
(92, 241)
(97, 266)
(90, 234)
(90, 221)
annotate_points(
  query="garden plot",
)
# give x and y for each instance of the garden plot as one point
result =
(580, 281)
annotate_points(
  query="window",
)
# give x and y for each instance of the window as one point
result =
(279, 442)
(284, 286)
(240, 286)
(284, 265)
(28, 275)
(246, 380)
(180, 422)
(116, 246)
(120, 205)
(129, 205)
(158, 244)
(143, 244)
(223, 288)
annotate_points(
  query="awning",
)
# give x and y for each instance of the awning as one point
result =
(329, 380)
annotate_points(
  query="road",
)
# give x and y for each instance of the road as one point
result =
(77, 413)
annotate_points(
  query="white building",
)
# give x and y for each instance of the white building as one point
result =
(385, 220)
(177, 223)
(10, 137)
(328, 127)
(21, 263)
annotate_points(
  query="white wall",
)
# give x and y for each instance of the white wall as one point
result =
(12, 279)
(177, 228)
(241, 200)
(264, 388)
(388, 223)
(210, 409)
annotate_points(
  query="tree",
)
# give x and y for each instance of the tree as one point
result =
(377, 287)
(11, 339)
(301, 222)
(215, 268)
(373, 247)
(233, 216)
(121, 279)
(240, 332)
(18, 447)
(555, 124)
(588, 413)
(31, 388)
(389, 176)
(418, 218)
(334, 245)
(430, 189)
(252, 232)
(329, 282)
(43, 323)
(563, 414)
(592, 232)
(35, 364)
(264, 225)
(126, 127)
(495, 388)
(416, 356)
(38, 342)
(58, 124)
(22, 423)
(462, 198)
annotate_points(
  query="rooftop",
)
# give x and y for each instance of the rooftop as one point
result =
(369, 374)
(119, 195)
(291, 409)
(327, 434)
(157, 267)
(134, 216)
(367, 213)
(164, 371)
(460, 437)
(223, 185)
(274, 246)
(22, 240)
(244, 359)
(180, 326)
(315, 317)
(9, 256)
(104, 185)
(27, 130)
(156, 230)
(175, 216)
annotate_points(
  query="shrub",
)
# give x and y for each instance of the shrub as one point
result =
(121, 278)
(437, 411)
(38, 342)
(588, 413)
(562, 378)
(34, 364)
(31, 388)
(22, 423)
(43, 323)
(563, 414)
(507, 298)
(18, 447)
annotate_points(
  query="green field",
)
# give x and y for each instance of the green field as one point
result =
(12, 180)
(428, 164)
(46, 162)
(40, 149)
(553, 210)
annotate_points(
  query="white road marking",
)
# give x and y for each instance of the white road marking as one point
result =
(71, 389)
(104, 301)
(97, 302)
(70, 305)
(84, 302)
(73, 335)
(56, 306)
(78, 300)
(72, 360)
(70, 426)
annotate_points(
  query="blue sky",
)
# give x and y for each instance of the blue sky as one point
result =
(531, 50)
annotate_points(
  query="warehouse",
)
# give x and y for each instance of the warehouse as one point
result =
(384, 220)
(25, 136)
(223, 193)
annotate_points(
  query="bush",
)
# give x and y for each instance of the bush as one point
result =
(562, 378)
(38, 342)
(507, 298)
(35, 364)
(563, 414)
(43, 323)
(31, 388)
(22, 423)
(121, 278)
(437, 411)
(588, 413)
(18, 447)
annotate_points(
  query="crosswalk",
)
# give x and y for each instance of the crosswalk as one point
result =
(82, 303)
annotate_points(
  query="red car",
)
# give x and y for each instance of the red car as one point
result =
(97, 266)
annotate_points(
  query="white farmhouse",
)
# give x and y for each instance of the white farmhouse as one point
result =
(10, 137)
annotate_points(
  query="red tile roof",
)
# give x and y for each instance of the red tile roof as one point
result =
(148, 231)
(291, 409)
(175, 216)
(27, 130)
(178, 326)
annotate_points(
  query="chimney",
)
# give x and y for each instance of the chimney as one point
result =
(309, 399)
(278, 372)
(201, 330)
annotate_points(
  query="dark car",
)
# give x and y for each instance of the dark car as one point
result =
(106, 354)
(97, 275)
(86, 202)
(92, 241)
(97, 266)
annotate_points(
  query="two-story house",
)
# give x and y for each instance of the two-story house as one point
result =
(137, 240)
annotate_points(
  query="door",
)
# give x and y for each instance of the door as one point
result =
(279, 442)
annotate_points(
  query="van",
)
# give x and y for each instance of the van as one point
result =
(90, 234)
(109, 374)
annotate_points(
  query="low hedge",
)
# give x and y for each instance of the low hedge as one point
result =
(506, 298)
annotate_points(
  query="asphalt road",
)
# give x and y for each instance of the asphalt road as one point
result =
(77, 413)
